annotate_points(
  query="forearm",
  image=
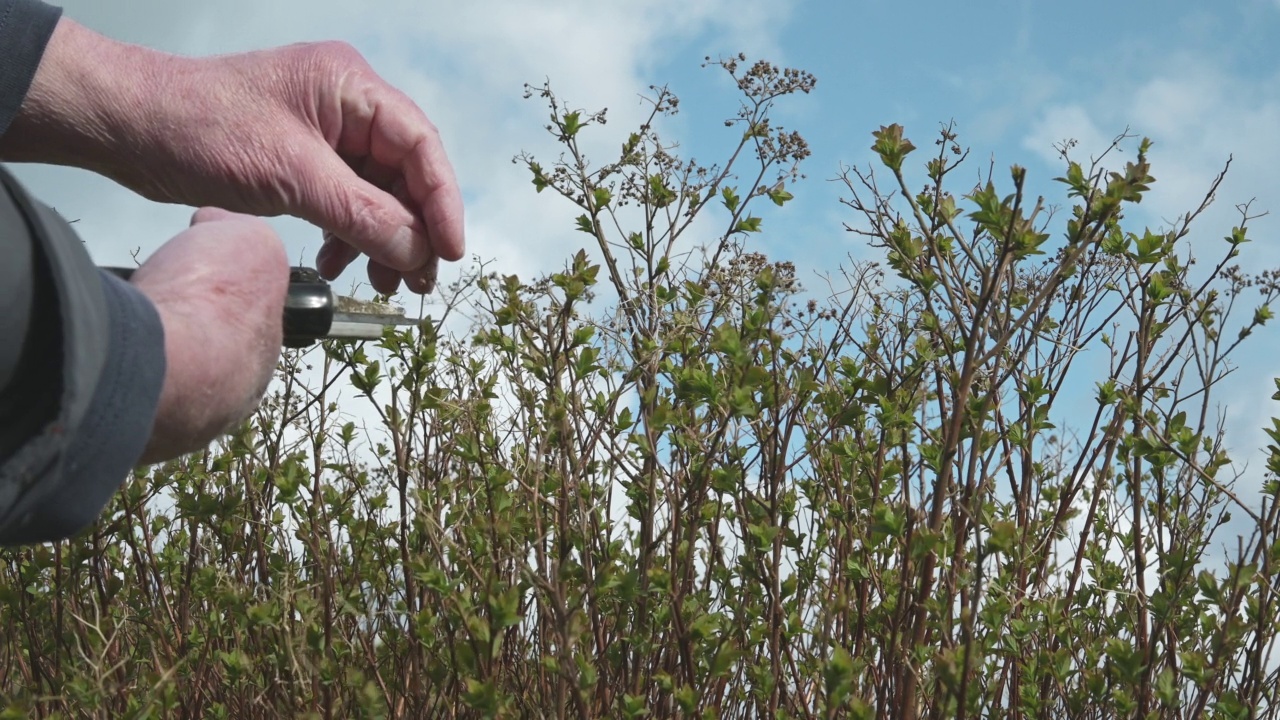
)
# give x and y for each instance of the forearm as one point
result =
(85, 103)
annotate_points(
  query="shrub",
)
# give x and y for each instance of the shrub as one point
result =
(982, 477)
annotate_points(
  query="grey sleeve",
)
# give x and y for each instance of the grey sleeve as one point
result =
(87, 378)
(81, 352)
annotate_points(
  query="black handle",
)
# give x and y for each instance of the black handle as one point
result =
(308, 308)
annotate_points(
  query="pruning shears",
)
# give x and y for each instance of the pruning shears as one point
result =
(312, 311)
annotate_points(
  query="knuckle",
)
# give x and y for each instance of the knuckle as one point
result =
(356, 214)
(336, 56)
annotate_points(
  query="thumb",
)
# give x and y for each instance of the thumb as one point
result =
(219, 287)
(213, 214)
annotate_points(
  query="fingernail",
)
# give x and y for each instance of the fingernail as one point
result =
(421, 285)
(423, 281)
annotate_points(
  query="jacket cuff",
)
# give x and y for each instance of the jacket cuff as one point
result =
(25, 29)
(114, 431)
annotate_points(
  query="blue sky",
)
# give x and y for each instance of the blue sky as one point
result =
(1201, 79)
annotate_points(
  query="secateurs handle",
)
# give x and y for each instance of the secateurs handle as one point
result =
(308, 307)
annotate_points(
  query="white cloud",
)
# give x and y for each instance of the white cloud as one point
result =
(1199, 115)
(1066, 123)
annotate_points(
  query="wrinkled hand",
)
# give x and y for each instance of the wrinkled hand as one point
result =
(306, 130)
(219, 287)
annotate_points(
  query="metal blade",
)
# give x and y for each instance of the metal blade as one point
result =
(363, 320)
(351, 306)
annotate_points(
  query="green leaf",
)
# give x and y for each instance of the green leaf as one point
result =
(633, 706)
(730, 198)
(1150, 248)
(1107, 392)
(1002, 536)
(723, 662)
(504, 608)
(583, 335)
(838, 676)
(1157, 287)
(686, 699)
(1208, 585)
(1075, 180)
(1237, 237)
(891, 146)
(630, 145)
(539, 180)
(659, 194)
(602, 197)
(886, 522)
(1262, 314)
(571, 124)
(779, 196)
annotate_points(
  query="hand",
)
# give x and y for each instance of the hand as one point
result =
(306, 130)
(219, 287)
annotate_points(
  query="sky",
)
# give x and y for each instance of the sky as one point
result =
(1016, 77)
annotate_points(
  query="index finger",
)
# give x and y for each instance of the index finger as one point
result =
(401, 136)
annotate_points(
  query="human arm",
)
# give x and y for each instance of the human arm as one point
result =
(142, 371)
(308, 130)
(65, 442)
(85, 390)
